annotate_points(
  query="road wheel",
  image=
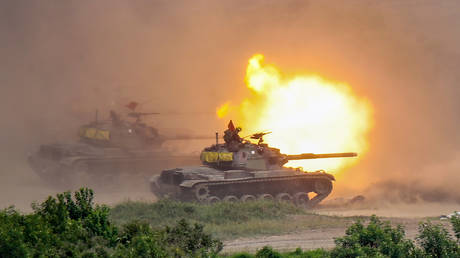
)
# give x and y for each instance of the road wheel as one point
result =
(213, 199)
(230, 198)
(301, 199)
(266, 197)
(201, 193)
(284, 197)
(248, 198)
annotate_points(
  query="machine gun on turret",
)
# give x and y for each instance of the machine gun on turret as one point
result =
(259, 136)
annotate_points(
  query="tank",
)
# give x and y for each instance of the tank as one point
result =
(239, 170)
(107, 153)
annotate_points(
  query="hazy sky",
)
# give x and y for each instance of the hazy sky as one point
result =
(60, 60)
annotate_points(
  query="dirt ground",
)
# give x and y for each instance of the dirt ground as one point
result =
(310, 239)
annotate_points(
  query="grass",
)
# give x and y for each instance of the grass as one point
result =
(228, 220)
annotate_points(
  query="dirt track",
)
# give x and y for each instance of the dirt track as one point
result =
(311, 239)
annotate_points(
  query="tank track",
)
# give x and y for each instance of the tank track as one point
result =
(292, 188)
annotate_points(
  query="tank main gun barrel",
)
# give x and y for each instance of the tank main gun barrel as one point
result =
(140, 114)
(321, 156)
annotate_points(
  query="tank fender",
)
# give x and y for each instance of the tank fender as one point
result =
(191, 183)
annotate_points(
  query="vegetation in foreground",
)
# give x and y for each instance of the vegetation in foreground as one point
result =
(73, 226)
(227, 220)
(68, 226)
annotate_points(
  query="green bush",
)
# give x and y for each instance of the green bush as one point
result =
(267, 252)
(190, 240)
(376, 239)
(317, 253)
(455, 221)
(436, 241)
(60, 226)
(138, 239)
(379, 239)
(298, 253)
(73, 226)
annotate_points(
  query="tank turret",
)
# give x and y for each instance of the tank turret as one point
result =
(121, 133)
(252, 156)
(239, 170)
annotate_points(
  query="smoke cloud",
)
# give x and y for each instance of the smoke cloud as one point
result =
(61, 60)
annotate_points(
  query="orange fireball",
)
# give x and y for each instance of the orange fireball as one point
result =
(306, 113)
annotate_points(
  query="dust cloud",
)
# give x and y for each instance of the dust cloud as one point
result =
(61, 60)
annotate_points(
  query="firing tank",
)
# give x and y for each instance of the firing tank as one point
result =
(107, 151)
(239, 170)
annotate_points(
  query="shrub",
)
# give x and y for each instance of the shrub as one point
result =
(61, 226)
(436, 241)
(138, 239)
(68, 225)
(377, 238)
(190, 240)
(455, 221)
(267, 252)
(73, 226)
(12, 234)
(317, 253)
(298, 253)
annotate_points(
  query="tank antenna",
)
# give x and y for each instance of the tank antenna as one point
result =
(96, 115)
(217, 138)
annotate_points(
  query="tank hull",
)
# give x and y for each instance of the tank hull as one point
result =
(102, 169)
(305, 188)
